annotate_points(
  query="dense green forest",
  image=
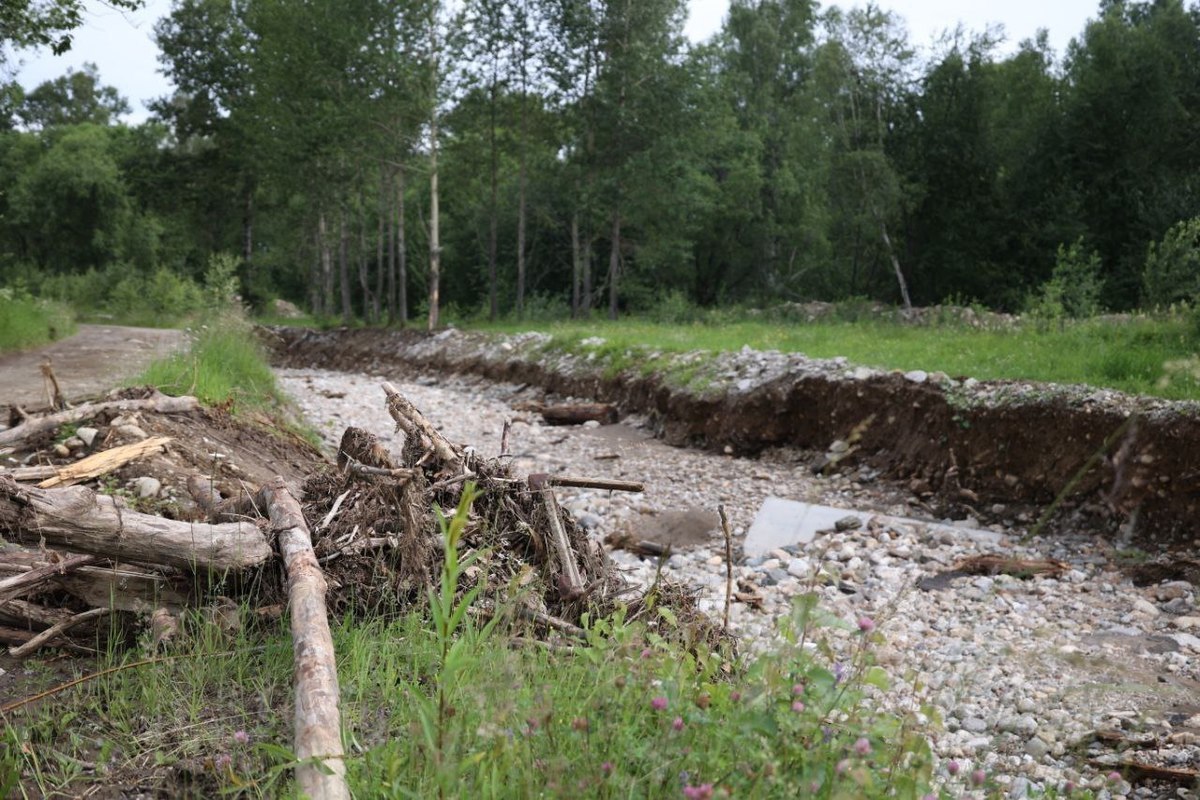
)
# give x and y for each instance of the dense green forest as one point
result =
(370, 159)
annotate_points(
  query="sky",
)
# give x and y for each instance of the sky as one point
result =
(121, 44)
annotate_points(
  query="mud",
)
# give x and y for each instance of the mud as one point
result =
(958, 444)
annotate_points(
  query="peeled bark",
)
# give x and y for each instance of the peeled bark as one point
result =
(78, 519)
(318, 719)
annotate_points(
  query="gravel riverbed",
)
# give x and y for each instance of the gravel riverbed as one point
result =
(1021, 672)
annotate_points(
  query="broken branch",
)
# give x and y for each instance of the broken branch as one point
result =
(159, 403)
(55, 631)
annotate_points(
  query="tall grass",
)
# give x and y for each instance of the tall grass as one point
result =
(1129, 356)
(26, 322)
(225, 365)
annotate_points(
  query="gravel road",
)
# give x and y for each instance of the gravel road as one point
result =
(1022, 672)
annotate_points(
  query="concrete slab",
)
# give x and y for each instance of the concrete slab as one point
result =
(781, 522)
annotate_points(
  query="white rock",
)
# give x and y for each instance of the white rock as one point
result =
(1145, 607)
(917, 376)
(147, 487)
(88, 435)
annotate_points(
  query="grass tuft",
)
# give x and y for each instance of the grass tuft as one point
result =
(26, 322)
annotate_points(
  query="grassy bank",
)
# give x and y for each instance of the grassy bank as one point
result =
(1134, 356)
(26, 322)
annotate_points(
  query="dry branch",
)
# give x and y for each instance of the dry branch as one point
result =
(22, 583)
(159, 403)
(539, 479)
(570, 583)
(318, 719)
(119, 587)
(412, 421)
(55, 631)
(76, 518)
(104, 462)
(20, 612)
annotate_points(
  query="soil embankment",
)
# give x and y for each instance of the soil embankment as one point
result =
(959, 444)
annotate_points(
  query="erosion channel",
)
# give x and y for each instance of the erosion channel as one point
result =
(1034, 677)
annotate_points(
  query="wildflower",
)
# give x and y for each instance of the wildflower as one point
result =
(677, 724)
(606, 768)
(241, 737)
(930, 796)
(735, 696)
(839, 672)
(1114, 777)
(978, 777)
(798, 688)
(952, 768)
(223, 762)
(842, 766)
(659, 703)
(647, 652)
(797, 706)
(862, 747)
(866, 624)
(1068, 787)
(702, 792)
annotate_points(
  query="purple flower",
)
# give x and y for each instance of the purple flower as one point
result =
(930, 796)
(842, 766)
(866, 624)
(1069, 787)
(952, 768)
(797, 706)
(223, 761)
(863, 746)
(702, 792)
(978, 777)
(798, 688)
(606, 768)
(647, 652)
(659, 703)
(1114, 777)
(677, 724)
(241, 737)
(839, 672)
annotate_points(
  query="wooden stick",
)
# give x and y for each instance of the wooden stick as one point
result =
(570, 581)
(560, 625)
(587, 483)
(362, 469)
(53, 392)
(728, 564)
(13, 636)
(19, 584)
(78, 519)
(55, 631)
(159, 403)
(20, 612)
(318, 730)
(410, 419)
(38, 473)
(104, 462)
(119, 587)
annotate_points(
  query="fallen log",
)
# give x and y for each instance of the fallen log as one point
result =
(12, 636)
(119, 587)
(579, 413)
(30, 615)
(48, 635)
(158, 403)
(27, 581)
(78, 519)
(318, 732)
(413, 422)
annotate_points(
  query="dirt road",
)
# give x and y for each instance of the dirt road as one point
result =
(94, 360)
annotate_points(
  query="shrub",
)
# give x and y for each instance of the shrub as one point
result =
(1074, 286)
(27, 322)
(1172, 272)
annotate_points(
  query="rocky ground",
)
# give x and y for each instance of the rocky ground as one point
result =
(1023, 671)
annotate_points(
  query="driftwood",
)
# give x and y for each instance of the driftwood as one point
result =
(25, 614)
(413, 423)
(159, 403)
(570, 582)
(540, 479)
(104, 462)
(318, 719)
(28, 580)
(573, 413)
(120, 587)
(52, 633)
(14, 636)
(76, 518)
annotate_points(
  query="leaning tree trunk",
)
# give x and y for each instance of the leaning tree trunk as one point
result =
(614, 264)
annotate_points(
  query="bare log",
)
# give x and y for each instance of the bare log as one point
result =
(159, 403)
(412, 421)
(55, 631)
(579, 413)
(38, 473)
(76, 518)
(119, 587)
(12, 636)
(318, 719)
(570, 583)
(539, 479)
(26, 581)
(25, 614)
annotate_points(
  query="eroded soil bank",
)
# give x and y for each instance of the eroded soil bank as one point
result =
(959, 444)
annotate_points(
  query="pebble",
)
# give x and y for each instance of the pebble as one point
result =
(88, 435)
(146, 487)
(1021, 659)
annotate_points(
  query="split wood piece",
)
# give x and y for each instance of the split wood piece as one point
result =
(20, 584)
(159, 403)
(217, 509)
(76, 518)
(728, 564)
(25, 614)
(119, 587)
(55, 631)
(13, 636)
(579, 413)
(413, 422)
(570, 583)
(537, 480)
(104, 462)
(318, 730)
(1140, 771)
(25, 474)
(53, 392)
(1018, 567)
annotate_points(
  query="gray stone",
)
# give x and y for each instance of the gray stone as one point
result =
(798, 568)
(130, 431)
(773, 577)
(62, 451)
(1145, 607)
(592, 423)
(147, 487)
(917, 376)
(1019, 788)
(588, 521)
(1037, 748)
(975, 724)
(75, 443)
(88, 435)
(847, 523)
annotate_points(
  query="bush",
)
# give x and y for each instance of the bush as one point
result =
(1172, 272)
(1074, 287)
(27, 322)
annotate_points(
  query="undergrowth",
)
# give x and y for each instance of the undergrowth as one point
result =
(28, 322)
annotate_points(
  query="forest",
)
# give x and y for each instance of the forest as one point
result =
(407, 161)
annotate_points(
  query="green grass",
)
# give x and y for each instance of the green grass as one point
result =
(1129, 356)
(225, 365)
(25, 322)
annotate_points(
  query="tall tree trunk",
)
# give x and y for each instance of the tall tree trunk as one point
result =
(248, 232)
(344, 268)
(576, 265)
(493, 210)
(383, 213)
(393, 312)
(585, 300)
(614, 263)
(364, 280)
(521, 181)
(435, 247)
(401, 252)
(887, 242)
(326, 265)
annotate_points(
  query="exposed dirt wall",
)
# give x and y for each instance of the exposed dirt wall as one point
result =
(957, 442)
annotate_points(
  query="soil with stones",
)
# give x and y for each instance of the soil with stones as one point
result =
(1044, 681)
(89, 363)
